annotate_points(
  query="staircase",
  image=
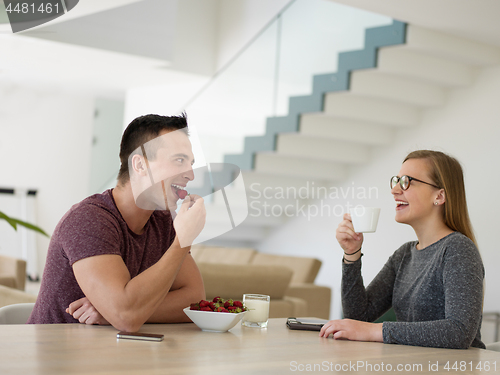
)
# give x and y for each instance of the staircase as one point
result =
(402, 71)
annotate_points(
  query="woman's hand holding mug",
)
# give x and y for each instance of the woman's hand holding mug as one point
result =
(349, 240)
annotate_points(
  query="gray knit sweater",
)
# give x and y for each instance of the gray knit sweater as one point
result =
(436, 293)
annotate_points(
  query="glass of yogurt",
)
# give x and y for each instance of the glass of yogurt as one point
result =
(257, 310)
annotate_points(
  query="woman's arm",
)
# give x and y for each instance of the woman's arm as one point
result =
(462, 278)
(355, 330)
(367, 304)
(358, 303)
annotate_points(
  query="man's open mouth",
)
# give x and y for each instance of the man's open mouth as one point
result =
(180, 191)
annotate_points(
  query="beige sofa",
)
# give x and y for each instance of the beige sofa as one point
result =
(12, 272)
(10, 296)
(231, 272)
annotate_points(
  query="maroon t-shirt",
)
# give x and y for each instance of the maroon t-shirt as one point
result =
(95, 227)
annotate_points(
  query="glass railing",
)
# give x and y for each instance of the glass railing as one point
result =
(303, 40)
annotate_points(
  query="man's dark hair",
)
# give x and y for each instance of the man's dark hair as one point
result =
(142, 130)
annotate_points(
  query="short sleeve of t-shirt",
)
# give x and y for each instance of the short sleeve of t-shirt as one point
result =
(90, 230)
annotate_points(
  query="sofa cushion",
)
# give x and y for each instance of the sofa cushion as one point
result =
(10, 296)
(232, 281)
(196, 251)
(223, 255)
(318, 298)
(288, 307)
(9, 281)
(15, 268)
(304, 270)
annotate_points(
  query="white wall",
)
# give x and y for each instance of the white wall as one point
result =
(238, 101)
(240, 21)
(196, 36)
(106, 139)
(45, 143)
(237, 22)
(467, 127)
(46, 135)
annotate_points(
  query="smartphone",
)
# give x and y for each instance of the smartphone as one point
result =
(139, 336)
(305, 324)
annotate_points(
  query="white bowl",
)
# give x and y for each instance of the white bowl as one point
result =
(214, 321)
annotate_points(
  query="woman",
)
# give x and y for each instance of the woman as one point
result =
(435, 284)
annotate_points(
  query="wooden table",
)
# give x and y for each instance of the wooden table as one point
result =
(80, 349)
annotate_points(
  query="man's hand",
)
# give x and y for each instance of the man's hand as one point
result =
(355, 330)
(85, 312)
(190, 220)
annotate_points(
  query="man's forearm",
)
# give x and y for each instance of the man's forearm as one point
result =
(170, 311)
(128, 303)
(187, 288)
(152, 287)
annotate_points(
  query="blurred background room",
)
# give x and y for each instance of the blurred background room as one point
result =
(317, 101)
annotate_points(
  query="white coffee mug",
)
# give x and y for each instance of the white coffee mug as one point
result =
(364, 219)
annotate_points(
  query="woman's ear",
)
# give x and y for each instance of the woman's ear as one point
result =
(440, 198)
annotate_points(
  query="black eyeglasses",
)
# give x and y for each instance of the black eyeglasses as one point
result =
(404, 182)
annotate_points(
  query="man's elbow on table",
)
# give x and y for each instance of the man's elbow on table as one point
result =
(125, 315)
(127, 321)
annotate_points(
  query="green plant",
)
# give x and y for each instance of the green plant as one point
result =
(15, 222)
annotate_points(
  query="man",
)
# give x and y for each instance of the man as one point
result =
(119, 258)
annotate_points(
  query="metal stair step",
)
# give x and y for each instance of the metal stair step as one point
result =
(382, 111)
(218, 213)
(296, 166)
(257, 196)
(375, 83)
(260, 181)
(404, 61)
(320, 148)
(322, 125)
(451, 47)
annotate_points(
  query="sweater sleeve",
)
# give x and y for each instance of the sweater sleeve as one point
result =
(371, 303)
(462, 277)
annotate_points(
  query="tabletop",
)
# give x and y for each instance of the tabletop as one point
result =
(81, 349)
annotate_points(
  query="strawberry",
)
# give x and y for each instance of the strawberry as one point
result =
(219, 305)
(194, 306)
(204, 303)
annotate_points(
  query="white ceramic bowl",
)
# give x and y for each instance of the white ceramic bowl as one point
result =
(214, 321)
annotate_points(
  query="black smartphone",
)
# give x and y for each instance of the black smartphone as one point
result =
(305, 324)
(139, 336)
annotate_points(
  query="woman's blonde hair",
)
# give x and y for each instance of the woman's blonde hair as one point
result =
(446, 172)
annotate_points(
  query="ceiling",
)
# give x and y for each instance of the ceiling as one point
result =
(104, 47)
(108, 46)
(136, 29)
(477, 20)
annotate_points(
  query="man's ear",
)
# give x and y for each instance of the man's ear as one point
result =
(139, 165)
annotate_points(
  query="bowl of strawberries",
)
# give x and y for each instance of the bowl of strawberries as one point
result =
(218, 315)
